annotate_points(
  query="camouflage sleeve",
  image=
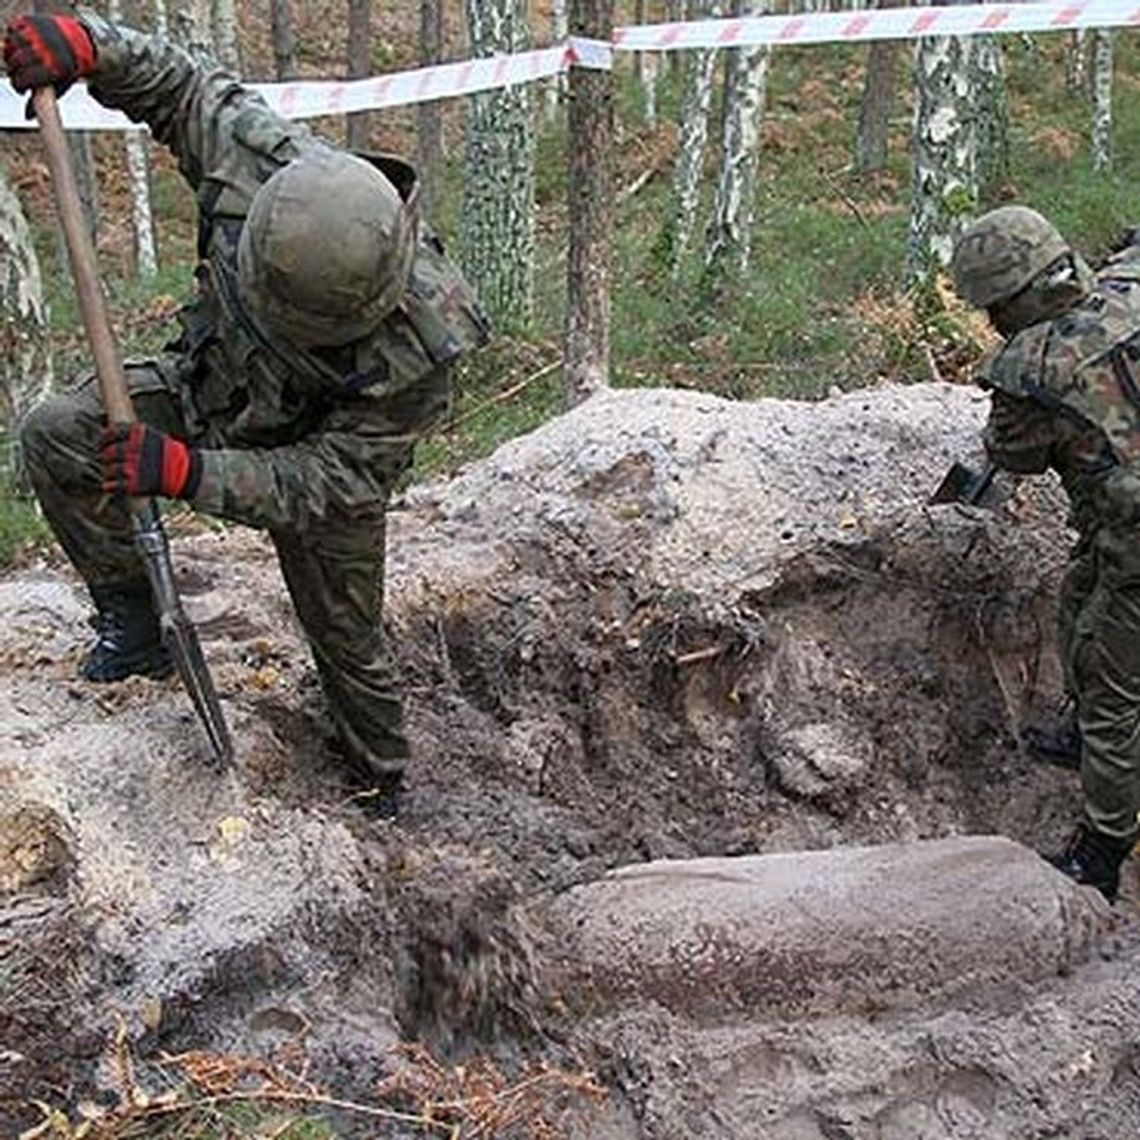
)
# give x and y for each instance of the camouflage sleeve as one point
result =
(190, 107)
(346, 467)
(1020, 435)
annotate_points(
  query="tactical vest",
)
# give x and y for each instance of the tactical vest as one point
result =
(1085, 363)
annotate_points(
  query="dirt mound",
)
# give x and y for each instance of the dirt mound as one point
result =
(662, 627)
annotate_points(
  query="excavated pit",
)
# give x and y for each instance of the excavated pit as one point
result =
(665, 628)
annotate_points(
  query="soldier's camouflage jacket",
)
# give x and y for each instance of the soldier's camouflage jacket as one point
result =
(1066, 395)
(288, 437)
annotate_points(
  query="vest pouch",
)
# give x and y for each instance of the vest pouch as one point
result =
(442, 307)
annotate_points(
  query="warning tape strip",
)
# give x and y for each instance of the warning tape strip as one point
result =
(880, 24)
(306, 100)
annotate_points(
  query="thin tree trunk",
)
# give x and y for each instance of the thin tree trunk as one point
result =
(359, 124)
(429, 120)
(944, 191)
(498, 192)
(991, 113)
(875, 107)
(1102, 100)
(25, 362)
(728, 245)
(83, 163)
(646, 69)
(224, 22)
(681, 215)
(590, 207)
(284, 43)
(192, 27)
(556, 85)
(1077, 61)
(677, 10)
(138, 175)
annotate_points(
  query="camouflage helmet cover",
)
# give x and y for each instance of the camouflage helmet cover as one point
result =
(326, 249)
(1001, 252)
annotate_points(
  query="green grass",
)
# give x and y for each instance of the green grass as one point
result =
(20, 521)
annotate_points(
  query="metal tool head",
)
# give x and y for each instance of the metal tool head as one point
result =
(962, 484)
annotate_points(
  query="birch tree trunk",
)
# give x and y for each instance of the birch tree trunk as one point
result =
(1102, 100)
(161, 19)
(192, 27)
(1077, 61)
(728, 244)
(138, 175)
(684, 198)
(429, 120)
(359, 124)
(646, 68)
(590, 121)
(498, 192)
(25, 362)
(556, 86)
(991, 113)
(284, 42)
(944, 189)
(225, 27)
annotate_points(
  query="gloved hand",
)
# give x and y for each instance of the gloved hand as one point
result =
(47, 51)
(142, 461)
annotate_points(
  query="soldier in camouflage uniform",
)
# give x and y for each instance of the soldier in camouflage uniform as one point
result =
(1066, 395)
(317, 351)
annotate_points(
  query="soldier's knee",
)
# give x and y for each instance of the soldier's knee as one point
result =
(47, 429)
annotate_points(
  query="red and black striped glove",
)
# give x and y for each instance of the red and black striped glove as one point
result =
(142, 461)
(47, 51)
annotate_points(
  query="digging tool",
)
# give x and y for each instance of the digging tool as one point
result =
(962, 484)
(149, 536)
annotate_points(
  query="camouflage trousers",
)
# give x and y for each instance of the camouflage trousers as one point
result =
(1099, 641)
(334, 571)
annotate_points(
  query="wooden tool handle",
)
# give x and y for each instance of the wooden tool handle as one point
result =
(92, 306)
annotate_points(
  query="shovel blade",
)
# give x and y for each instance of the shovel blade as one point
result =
(962, 484)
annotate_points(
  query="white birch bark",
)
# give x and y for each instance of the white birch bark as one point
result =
(728, 244)
(944, 188)
(1077, 60)
(25, 363)
(556, 86)
(192, 25)
(161, 18)
(681, 216)
(138, 175)
(1102, 100)
(498, 194)
(225, 28)
(646, 69)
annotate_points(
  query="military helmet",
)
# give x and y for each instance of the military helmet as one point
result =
(1001, 252)
(326, 249)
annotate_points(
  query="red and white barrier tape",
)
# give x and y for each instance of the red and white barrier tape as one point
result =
(306, 100)
(881, 24)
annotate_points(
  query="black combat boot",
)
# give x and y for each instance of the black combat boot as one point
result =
(1093, 859)
(128, 639)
